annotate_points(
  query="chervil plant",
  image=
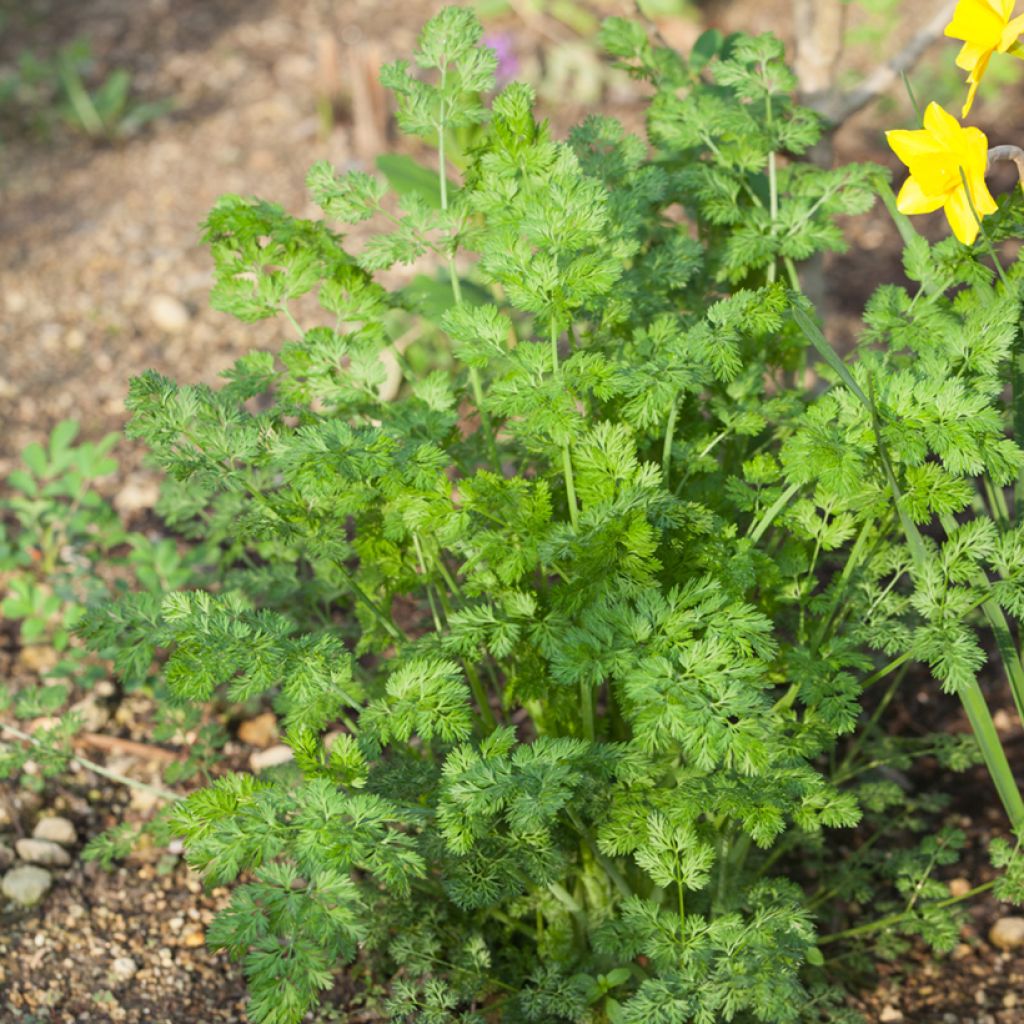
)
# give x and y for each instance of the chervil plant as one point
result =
(569, 638)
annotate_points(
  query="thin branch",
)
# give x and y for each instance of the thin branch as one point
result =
(92, 766)
(846, 105)
(117, 745)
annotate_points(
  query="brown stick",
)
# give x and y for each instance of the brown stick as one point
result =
(116, 745)
(885, 75)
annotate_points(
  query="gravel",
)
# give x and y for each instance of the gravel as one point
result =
(26, 885)
(55, 829)
(42, 851)
(1007, 933)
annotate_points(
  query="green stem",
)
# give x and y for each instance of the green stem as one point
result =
(851, 755)
(390, 628)
(1005, 644)
(993, 753)
(570, 483)
(570, 486)
(1017, 398)
(758, 528)
(666, 448)
(480, 695)
(885, 922)
(107, 773)
(474, 374)
(587, 710)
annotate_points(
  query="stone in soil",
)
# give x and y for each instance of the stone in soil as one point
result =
(6, 856)
(26, 885)
(168, 313)
(123, 969)
(56, 829)
(38, 658)
(138, 493)
(42, 851)
(260, 731)
(270, 758)
(1007, 933)
(92, 711)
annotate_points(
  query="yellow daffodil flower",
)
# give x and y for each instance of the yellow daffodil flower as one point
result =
(986, 27)
(935, 156)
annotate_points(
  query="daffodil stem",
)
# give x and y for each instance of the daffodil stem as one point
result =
(981, 230)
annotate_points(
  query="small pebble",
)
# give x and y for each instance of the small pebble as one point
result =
(57, 830)
(92, 712)
(1002, 720)
(124, 968)
(38, 658)
(42, 851)
(6, 856)
(890, 1015)
(260, 731)
(1010, 1000)
(959, 887)
(26, 885)
(168, 313)
(1007, 933)
(271, 757)
(138, 492)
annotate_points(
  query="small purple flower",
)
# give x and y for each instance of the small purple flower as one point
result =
(508, 62)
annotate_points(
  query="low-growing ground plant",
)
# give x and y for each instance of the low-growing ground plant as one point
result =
(63, 548)
(40, 93)
(571, 637)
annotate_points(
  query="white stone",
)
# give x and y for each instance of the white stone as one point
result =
(260, 731)
(124, 968)
(26, 885)
(57, 830)
(1007, 933)
(168, 313)
(270, 758)
(41, 851)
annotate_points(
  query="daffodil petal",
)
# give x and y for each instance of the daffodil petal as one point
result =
(970, 56)
(911, 146)
(1011, 33)
(960, 216)
(983, 200)
(943, 125)
(977, 21)
(971, 91)
(913, 198)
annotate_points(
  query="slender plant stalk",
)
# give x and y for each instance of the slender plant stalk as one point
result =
(666, 448)
(107, 773)
(474, 374)
(891, 919)
(970, 696)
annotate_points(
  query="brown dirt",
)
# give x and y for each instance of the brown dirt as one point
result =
(89, 234)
